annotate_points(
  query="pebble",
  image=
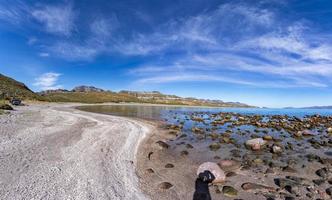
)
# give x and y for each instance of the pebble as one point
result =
(165, 185)
(162, 144)
(169, 165)
(214, 146)
(229, 191)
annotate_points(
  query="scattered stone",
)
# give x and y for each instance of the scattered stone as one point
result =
(255, 144)
(5, 107)
(229, 191)
(214, 146)
(318, 181)
(165, 185)
(150, 170)
(267, 137)
(229, 165)
(184, 153)
(149, 155)
(162, 144)
(218, 173)
(283, 182)
(289, 169)
(323, 172)
(308, 133)
(329, 191)
(276, 149)
(256, 187)
(329, 130)
(230, 174)
(169, 165)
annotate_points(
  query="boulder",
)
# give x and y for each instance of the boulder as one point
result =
(329, 130)
(256, 144)
(218, 173)
(229, 165)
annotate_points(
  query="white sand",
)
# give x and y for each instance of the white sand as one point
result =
(53, 151)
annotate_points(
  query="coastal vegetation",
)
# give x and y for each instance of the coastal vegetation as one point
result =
(10, 88)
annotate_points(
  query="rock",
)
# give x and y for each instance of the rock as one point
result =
(165, 185)
(162, 144)
(256, 187)
(318, 181)
(229, 191)
(267, 137)
(218, 173)
(5, 107)
(289, 169)
(283, 182)
(298, 134)
(276, 149)
(308, 133)
(229, 165)
(329, 130)
(255, 144)
(150, 170)
(189, 146)
(184, 153)
(329, 191)
(230, 174)
(323, 172)
(169, 165)
(214, 146)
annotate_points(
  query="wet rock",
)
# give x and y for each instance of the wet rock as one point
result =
(267, 137)
(165, 185)
(256, 187)
(255, 144)
(229, 165)
(214, 146)
(308, 133)
(218, 173)
(162, 144)
(229, 191)
(169, 165)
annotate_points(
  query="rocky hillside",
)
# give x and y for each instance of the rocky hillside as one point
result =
(90, 94)
(10, 88)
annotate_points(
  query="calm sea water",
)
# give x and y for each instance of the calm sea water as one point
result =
(163, 112)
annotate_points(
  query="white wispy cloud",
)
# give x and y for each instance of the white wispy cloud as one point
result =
(56, 19)
(48, 81)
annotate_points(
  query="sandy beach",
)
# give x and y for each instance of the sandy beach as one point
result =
(54, 151)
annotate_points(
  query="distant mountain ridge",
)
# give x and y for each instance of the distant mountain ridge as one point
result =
(84, 92)
(10, 88)
(318, 107)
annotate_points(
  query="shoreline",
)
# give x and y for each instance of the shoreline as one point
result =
(60, 152)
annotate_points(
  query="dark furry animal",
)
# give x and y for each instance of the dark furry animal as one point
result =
(202, 186)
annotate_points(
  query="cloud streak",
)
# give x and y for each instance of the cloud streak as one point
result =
(48, 81)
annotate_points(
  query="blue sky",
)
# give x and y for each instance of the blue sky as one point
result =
(271, 53)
